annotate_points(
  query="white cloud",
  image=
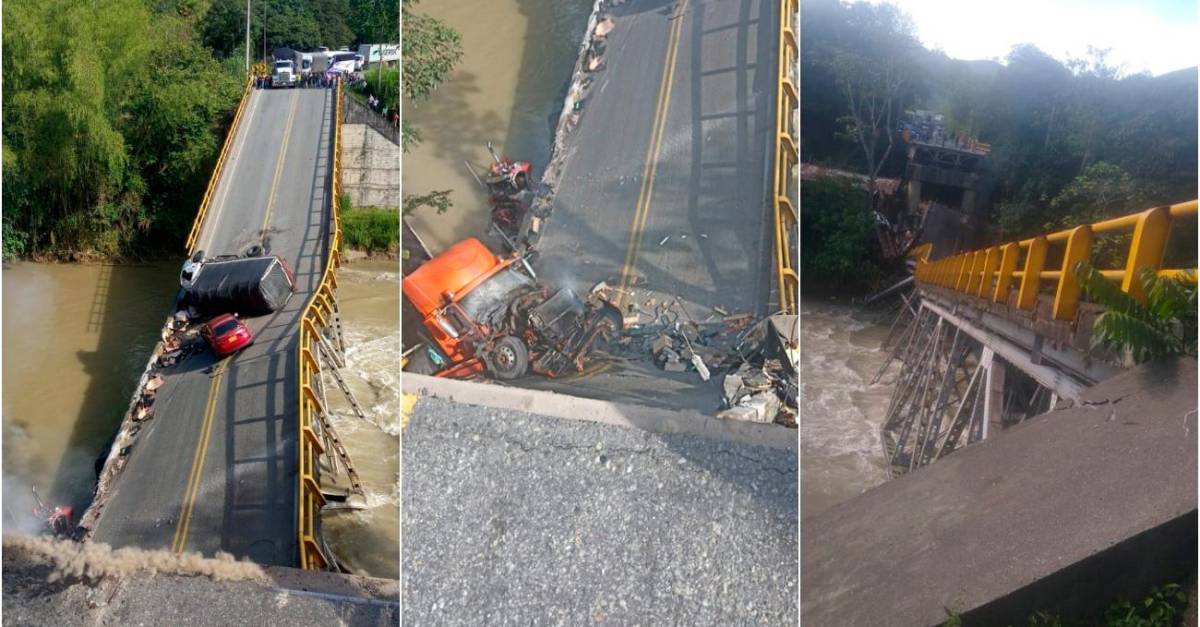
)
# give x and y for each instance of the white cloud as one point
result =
(1138, 39)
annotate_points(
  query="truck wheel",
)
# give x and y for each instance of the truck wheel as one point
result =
(254, 251)
(510, 359)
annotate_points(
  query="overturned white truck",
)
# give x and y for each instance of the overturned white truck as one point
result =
(249, 286)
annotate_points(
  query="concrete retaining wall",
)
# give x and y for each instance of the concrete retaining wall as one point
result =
(370, 167)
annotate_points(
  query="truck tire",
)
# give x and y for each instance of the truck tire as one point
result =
(510, 358)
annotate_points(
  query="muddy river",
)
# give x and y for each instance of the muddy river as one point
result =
(840, 412)
(76, 338)
(507, 89)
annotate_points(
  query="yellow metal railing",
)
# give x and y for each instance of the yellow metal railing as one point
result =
(786, 158)
(990, 273)
(216, 175)
(317, 315)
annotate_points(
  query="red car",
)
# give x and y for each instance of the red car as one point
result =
(227, 335)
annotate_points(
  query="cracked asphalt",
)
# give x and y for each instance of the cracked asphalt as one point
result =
(511, 518)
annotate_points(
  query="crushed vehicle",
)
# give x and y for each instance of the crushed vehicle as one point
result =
(490, 314)
(510, 195)
(250, 286)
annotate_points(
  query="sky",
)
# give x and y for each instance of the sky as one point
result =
(1157, 36)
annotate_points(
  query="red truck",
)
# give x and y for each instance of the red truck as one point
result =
(488, 314)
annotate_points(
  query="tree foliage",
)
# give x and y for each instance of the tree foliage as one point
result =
(375, 21)
(1164, 325)
(289, 23)
(835, 233)
(112, 119)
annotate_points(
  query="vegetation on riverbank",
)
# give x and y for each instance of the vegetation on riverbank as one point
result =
(835, 236)
(115, 111)
(370, 229)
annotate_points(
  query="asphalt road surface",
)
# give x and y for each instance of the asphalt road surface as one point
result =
(215, 470)
(511, 518)
(665, 187)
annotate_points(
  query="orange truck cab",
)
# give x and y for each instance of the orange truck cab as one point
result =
(451, 291)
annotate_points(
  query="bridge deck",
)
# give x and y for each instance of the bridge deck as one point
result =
(708, 184)
(1064, 513)
(237, 422)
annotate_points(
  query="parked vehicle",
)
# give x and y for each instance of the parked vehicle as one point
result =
(227, 335)
(250, 286)
(283, 74)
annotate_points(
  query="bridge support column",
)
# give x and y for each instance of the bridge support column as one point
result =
(993, 404)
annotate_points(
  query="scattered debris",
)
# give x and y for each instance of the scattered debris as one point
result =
(604, 27)
(664, 240)
(720, 311)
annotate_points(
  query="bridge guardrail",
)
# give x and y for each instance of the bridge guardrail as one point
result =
(317, 314)
(989, 273)
(786, 158)
(216, 175)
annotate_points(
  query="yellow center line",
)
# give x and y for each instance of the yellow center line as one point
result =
(189, 496)
(646, 192)
(287, 134)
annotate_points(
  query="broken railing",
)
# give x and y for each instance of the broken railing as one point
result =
(786, 158)
(991, 274)
(216, 175)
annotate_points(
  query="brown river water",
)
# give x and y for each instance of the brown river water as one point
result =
(840, 411)
(508, 88)
(76, 339)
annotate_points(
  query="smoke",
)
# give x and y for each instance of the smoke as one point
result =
(93, 561)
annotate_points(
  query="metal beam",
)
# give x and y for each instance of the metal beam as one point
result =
(1054, 379)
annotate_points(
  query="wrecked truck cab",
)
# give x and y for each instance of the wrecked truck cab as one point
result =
(485, 314)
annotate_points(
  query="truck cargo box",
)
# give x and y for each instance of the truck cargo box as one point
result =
(251, 286)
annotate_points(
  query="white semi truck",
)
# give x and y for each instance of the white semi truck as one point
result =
(283, 74)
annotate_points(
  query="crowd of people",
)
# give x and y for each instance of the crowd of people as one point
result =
(391, 114)
(324, 80)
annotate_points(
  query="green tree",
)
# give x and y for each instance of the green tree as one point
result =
(111, 116)
(835, 232)
(289, 23)
(375, 21)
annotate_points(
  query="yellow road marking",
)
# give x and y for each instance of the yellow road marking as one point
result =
(189, 496)
(649, 170)
(287, 134)
(406, 407)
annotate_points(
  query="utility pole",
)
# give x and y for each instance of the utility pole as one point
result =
(264, 31)
(247, 36)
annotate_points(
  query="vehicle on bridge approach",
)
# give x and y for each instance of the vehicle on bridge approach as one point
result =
(283, 74)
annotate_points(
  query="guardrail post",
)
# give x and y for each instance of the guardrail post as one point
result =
(991, 261)
(1146, 249)
(1031, 280)
(964, 271)
(976, 271)
(1008, 263)
(1079, 247)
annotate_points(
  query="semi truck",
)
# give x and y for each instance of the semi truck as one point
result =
(486, 314)
(250, 286)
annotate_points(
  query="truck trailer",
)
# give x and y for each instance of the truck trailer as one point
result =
(250, 286)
